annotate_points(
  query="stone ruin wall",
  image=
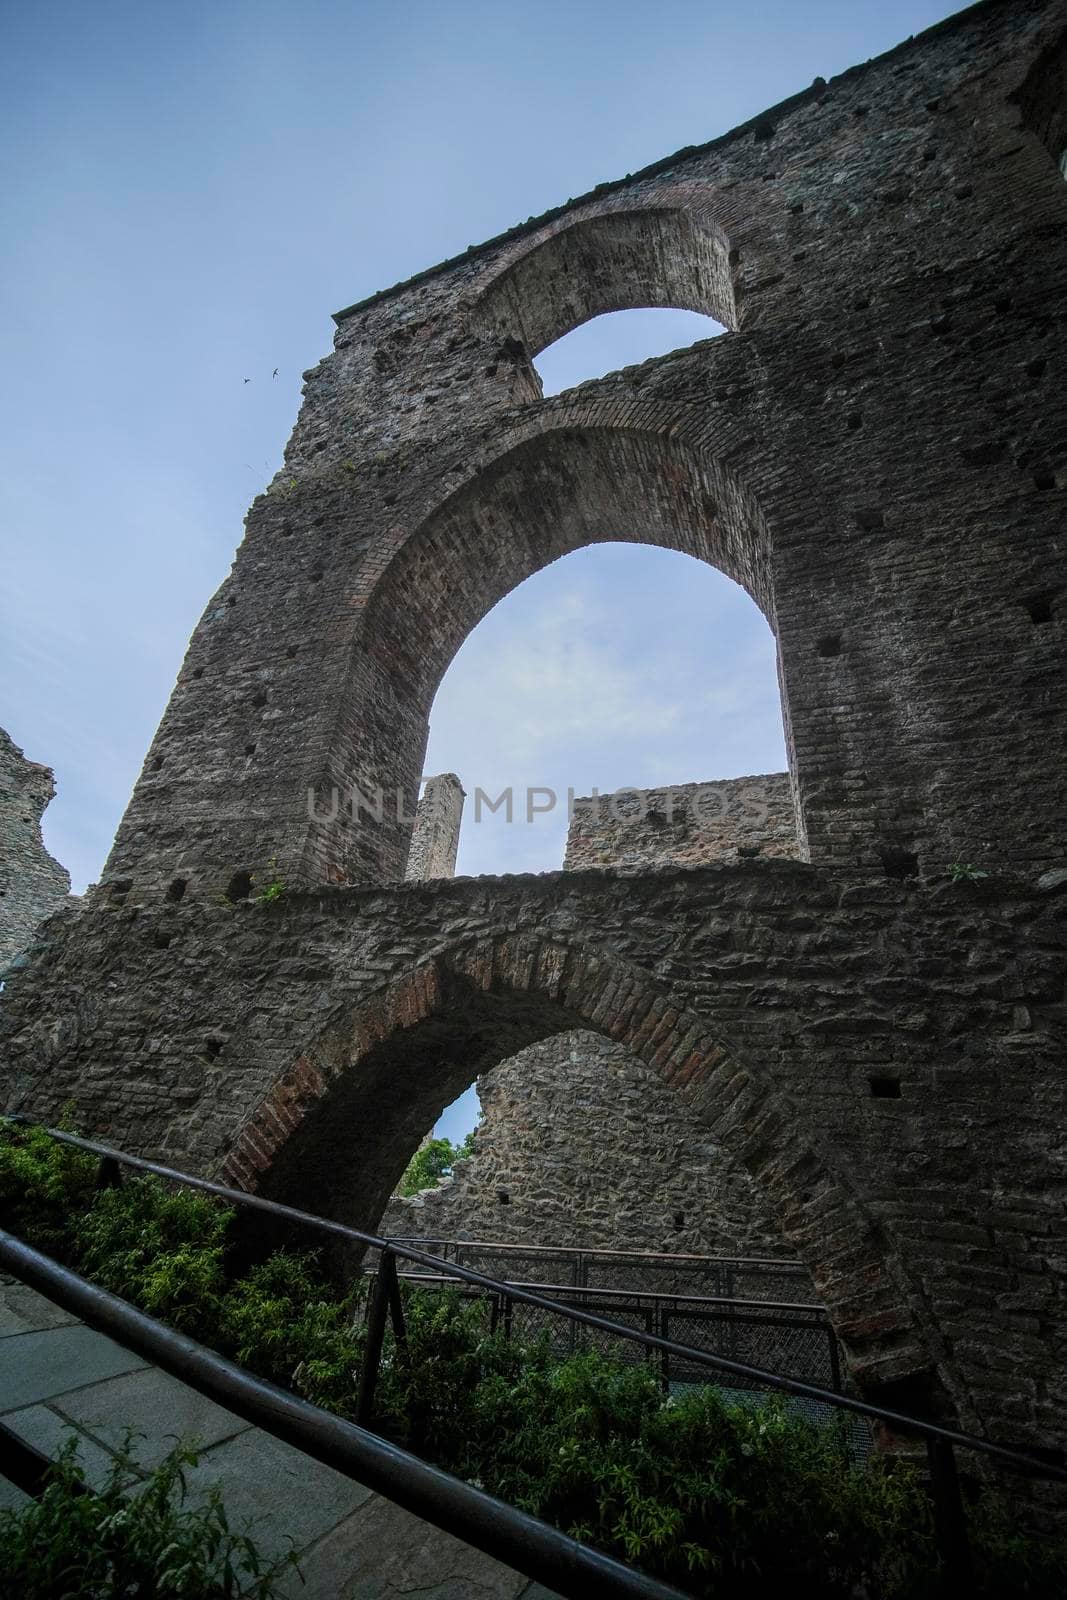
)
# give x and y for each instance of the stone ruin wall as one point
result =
(875, 450)
(580, 1143)
(435, 836)
(687, 825)
(32, 882)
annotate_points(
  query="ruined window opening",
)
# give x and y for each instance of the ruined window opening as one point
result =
(239, 887)
(884, 1088)
(618, 666)
(618, 339)
(177, 889)
(652, 264)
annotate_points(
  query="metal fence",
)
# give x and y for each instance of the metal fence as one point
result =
(646, 1272)
(795, 1341)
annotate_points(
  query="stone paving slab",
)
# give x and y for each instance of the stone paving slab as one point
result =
(38, 1366)
(286, 1499)
(47, 1431)
(23, 1310)
(158, 1409)
(384, 1553)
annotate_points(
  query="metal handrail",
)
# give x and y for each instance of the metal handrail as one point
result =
(600, 1250)
(897, 1421)
(519, 1540)
(941, 1442)
(593, 1292)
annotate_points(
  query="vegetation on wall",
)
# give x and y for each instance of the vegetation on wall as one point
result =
(721, 1496)
(432, 1161)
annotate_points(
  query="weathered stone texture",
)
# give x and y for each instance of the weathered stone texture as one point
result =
(435, 836)
(32, 882)
(884, 1058)
(876, 450)
(581, 1144)
(690, 824)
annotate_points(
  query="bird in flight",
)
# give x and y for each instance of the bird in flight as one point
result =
(274, 374)
(248, 380)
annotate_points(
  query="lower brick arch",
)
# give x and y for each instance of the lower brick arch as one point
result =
(337, 1128)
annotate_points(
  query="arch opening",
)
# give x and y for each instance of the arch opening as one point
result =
(619, 666)
(616, 340)
(1042, 101)
(617, 261)
(336, 1132)
(556, 492)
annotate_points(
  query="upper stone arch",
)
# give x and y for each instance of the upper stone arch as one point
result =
(336, 1129)
(595, 467)
(579, 475)
(669, 254)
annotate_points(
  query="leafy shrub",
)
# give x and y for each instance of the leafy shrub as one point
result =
(427, 1387)
(698, 1491)
(159, 1247)
(431, 1161)
(42, 1185)
(286, 1322)
(117, 1543)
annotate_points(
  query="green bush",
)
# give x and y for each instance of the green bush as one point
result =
(286, 1322)
(428, 1387)
(42, 1185)
(159, 1247)
(431, 1161)
(118, 1543)
(719, 1498)
(740, 1497)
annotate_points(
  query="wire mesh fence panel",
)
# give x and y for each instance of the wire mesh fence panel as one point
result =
(795, 1347)
(784, 1281)
(518, 1265)
(533, 1325)
(649, 1275)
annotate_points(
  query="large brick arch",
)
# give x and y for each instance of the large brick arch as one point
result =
(337, 1128)
(583, 472)
(613, 260)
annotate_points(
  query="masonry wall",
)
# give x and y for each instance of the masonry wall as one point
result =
(435, 837)
(32, 882)
(876, 450)
(689, 824)
(580, 1144)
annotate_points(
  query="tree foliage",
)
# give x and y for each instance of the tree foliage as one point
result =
(433, 1160)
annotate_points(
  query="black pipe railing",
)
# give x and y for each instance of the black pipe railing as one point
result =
(733, 1277)
(511, 1536)
(941, 1442)
(813, 1313)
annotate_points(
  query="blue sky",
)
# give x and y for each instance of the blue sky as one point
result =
(187, 192)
